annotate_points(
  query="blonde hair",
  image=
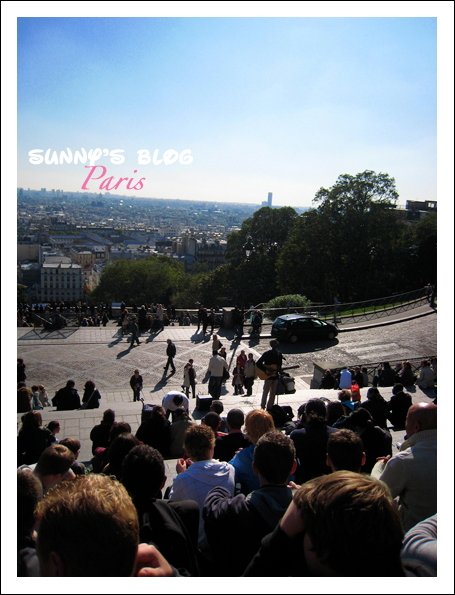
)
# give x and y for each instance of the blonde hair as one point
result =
(92, 524)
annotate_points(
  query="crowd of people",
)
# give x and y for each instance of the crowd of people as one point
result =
(249, 498)
(253, 495)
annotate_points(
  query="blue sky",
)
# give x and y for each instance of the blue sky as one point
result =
(264, 104)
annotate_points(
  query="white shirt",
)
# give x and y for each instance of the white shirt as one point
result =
(216, 366)
(168, 401)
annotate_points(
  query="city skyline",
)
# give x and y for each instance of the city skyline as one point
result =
(260, 104)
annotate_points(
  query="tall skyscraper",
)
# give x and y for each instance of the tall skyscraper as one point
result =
(269, 199)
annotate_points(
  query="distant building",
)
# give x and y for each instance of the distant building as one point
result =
(268, 202)
(61, 281)
(416, 209)
(84, 257)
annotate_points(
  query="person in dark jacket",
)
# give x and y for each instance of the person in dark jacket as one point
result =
(398, 407)
(235, 526)
(311, 442)
(170, 352)
(171, 526)
(91, 397)
(32, 439)
(67, 398)
(99, 434)
(342, 524)
(155, 431)
(377, 442)
(386, 375)
(227, 446)
(377, 406)
(328, 380)
(136, 383)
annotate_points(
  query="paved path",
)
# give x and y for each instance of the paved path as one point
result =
(103, 355)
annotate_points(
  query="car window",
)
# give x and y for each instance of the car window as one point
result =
(305, 323)
(317, 323)
(279, 323)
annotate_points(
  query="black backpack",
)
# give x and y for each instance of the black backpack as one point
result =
(281, 415)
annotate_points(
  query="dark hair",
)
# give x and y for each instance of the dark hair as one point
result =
(53, 425)
(212, 420)
(335, 410)
(235, 419)
(274, 455)
(346, 512)
(72, 443)
(177, 400)
(217, 406)
(70, 384)
(118, 450)
(117, 428)
(143, 473)
(31, 419)
(398, 387)
(373, 394)
(29, 493)
(360, 418)
(345, 450)
(54, 460)
(90, 385)
(109, 416)
(317, 408)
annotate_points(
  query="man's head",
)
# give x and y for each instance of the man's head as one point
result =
(212, 420)
(274, 458)
(315, 409)
(274, 343)
(235, 419)
(397, 388)
(257, 423)
(345, 451)
(54, 464)
(352, 527)
(178, 400)
(217, 406)
(168, 341)
(88, 527)
(143, 473)
(199, 442)
(70, 384)
(420, 417)
(29, 493)
(344, 395)
(73, 444)
(109, 416)
(359, 419)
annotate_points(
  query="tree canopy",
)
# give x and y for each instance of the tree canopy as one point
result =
(154, 279)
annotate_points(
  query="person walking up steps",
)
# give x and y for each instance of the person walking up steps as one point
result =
(170, 352)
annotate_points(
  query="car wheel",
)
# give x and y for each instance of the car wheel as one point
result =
(331, 335)
(293, 338)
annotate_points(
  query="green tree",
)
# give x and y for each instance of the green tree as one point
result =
(154, 279)
(345, 246)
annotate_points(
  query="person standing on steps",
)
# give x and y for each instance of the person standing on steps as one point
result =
(170, 352)
(136, 384)
(271, 363)
(134, 332)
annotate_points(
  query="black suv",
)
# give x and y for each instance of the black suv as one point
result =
(295, 327)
